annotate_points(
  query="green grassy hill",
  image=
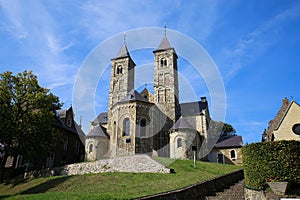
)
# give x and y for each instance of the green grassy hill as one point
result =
(114, 185)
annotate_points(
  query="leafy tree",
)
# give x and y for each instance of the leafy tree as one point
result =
(26, 116)
(221, 129)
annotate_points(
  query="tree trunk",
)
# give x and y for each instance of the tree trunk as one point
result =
(2, 168)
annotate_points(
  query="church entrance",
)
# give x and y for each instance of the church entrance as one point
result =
(141, 146)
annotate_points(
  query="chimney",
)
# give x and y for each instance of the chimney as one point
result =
(285, 101)
(203, 99)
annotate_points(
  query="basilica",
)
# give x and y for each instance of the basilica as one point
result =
(155, 123)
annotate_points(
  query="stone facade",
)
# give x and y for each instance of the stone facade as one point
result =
(227, 150)
(227, 154)
(254, 194)
(141, 123)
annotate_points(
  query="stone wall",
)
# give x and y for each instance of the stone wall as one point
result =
(254, 194)
(202, 189)
(134, 164)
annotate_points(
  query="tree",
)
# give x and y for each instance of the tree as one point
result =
(26, 116)
(221, 129)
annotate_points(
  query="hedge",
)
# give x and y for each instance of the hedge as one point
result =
(271, 161)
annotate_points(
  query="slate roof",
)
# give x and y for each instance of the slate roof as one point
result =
(164, 44)
(123, 52)
(133, 95)
(181, 123)
(100, 119)
(192, 108)
(98, 131)
(229, 141)
(75, 128)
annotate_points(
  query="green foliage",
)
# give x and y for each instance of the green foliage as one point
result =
(116, 185)
(271, 161)
(26, 115)
(217, 128)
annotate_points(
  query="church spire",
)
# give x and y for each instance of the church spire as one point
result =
(164, 44)
(123, 52)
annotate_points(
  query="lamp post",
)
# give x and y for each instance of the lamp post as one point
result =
(194, 149)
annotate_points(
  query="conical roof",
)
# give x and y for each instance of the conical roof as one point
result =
(123, 52)
(181, 124)
(164, 44)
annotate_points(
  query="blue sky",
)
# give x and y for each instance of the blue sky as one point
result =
(254, 44)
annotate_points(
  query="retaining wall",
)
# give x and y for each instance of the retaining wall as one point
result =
(200, 190)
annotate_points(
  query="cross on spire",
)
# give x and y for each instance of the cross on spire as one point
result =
(124, 35)
(165, 30)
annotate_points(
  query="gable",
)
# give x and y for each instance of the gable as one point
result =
(284, 130)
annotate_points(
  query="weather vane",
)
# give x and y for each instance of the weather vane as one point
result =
(165, 27)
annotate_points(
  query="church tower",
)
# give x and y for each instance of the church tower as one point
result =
(166, 94)
(121, 83)
(121, 76)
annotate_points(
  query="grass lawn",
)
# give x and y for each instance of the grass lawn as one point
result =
(114, 185)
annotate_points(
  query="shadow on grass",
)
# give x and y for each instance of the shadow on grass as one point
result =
(44, 187)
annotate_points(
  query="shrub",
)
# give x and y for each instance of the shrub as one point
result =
(271, 161)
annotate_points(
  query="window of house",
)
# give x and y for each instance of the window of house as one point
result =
(91, 148)
(296, 129)
(126, 127)
(77, 147)
(69, 121)
(143, 128)
(232, 154)
(179, 142)
(66, 141)
(104, 119)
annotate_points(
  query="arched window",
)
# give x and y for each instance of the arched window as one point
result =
(126, 127)
(143, 127)
(179, 142)
(119, 69)
(163, 62)
(91, 148)
(232, 154)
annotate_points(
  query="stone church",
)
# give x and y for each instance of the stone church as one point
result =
(145, 123)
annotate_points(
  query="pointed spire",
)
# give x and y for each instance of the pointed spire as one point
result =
(164, 44)
(123, 52)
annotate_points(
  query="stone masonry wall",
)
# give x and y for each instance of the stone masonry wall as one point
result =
(135, 164)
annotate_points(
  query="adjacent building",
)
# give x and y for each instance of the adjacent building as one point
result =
(286, 124)
(228, 150)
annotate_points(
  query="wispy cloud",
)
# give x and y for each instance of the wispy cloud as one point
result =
(254, 43)
(40, 41)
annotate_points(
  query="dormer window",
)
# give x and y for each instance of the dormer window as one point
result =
(69, 121)
(104, 119)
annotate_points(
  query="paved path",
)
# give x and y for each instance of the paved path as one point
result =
(235, 192)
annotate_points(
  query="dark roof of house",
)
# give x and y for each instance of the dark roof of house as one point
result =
(192, 108)
(98, 131)
(229, 141)
(133, 95)
(123, 52)
(100, 119)
(75, 128)
(181, 123)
